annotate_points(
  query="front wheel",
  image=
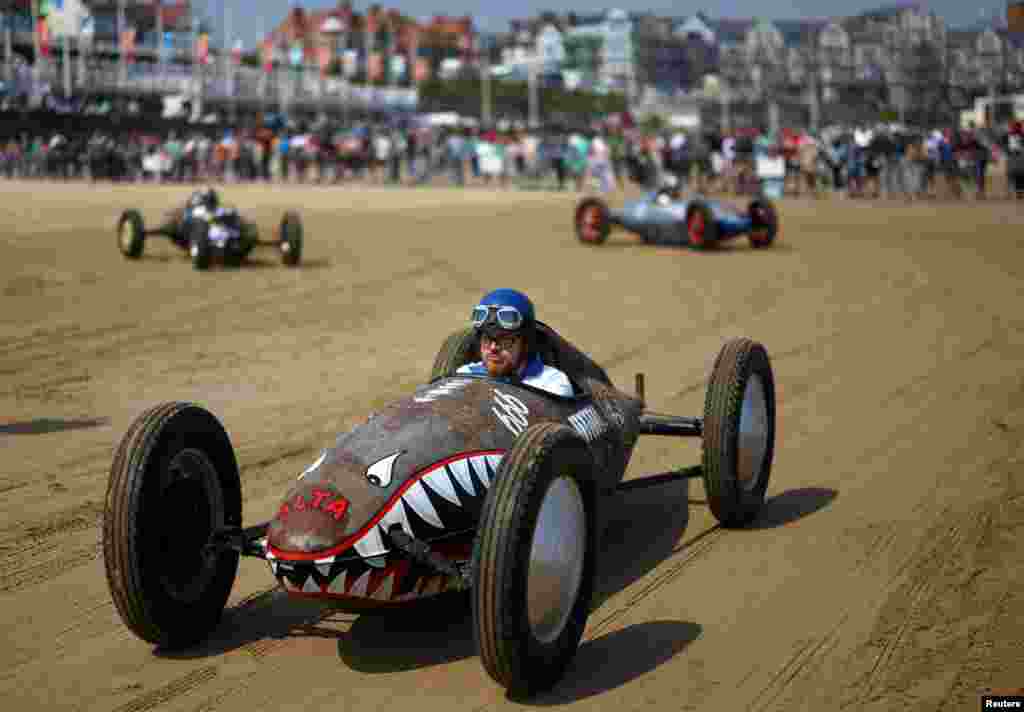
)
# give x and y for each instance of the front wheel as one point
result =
(739, 432)
(173, 483)
(131, 234)
(200, 247)
(593, 223)
(764, 222)
(533, 560)
(290, 241)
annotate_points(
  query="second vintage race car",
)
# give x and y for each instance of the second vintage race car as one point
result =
(209, 233)
(469, 483)
(665, 217)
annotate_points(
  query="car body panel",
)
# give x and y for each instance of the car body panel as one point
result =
(425, 462)
(666, 223)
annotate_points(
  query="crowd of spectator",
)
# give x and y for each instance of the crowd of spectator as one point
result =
(860, 162)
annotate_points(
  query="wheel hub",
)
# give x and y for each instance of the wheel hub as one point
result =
(191, 510)
(557, 555)
(753, 435)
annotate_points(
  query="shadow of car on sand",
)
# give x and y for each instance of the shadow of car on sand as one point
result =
(644, 529)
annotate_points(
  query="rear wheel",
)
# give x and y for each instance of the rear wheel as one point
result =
(592, 221)
(764, 222)
(173, 483)
(701, 229)
(131, 234)
(533, 560)
(739, 432)
(290, 242)
(457, 350)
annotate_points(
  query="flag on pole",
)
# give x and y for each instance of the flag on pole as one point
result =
(128, 44)
(375, 66)
(421, 72)
(325, 59)
(203, 48)
(268, 56)
(43, 30)
(236, 52)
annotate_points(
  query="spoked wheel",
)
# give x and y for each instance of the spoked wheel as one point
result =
(592, 221)
(173, 483)
(533, 561)
(739, 432)
(131, 234)
(700, 225)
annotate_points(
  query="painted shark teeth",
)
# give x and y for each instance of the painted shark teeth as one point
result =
(383, 592)
(338, 584)
(359, 587)
(440, 484)
(479, 465)
(395, 515)
(416, 498)
(460, 470)
(370, 544)
(311, 586)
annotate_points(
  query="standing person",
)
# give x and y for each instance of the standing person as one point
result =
(807, 162)
(599, 163)
(982, 154)
(456, 156)
(1014, 145)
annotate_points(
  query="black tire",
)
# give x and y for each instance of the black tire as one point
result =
(738, 444)
(457, 350)
(290, 240)
(250, 237)
(764, 222)
(708, 233)
(522, 652)
(131, 234)
(174, 480)
(597, 231)
(200, 249)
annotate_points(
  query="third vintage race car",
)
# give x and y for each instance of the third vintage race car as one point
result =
(664, 217)
(216, 234)
(469, 483)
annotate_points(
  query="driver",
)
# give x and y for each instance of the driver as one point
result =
(506, 323)
(669, 191)
(203, 203)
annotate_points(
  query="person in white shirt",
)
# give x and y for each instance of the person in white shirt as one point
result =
(506, 323)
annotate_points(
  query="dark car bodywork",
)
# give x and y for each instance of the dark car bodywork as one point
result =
(425, 462)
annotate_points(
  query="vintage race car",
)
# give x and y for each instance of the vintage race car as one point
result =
(663, 217)
(222, 235)
(469, 483)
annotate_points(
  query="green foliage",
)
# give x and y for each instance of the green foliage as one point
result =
(512, 98)
(653, 123)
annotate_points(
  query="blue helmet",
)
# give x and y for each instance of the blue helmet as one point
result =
(505, 310)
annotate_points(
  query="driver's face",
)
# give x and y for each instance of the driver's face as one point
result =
(502, 354)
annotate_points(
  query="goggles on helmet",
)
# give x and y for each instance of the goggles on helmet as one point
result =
(506, 317)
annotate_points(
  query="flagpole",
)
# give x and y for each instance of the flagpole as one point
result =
(35, 39)
(122, 59)
(66, 41)
(159, 37)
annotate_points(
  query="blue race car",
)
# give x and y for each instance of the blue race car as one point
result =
(665, 217)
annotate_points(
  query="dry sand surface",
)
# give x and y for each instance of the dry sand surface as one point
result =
(887, 569)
